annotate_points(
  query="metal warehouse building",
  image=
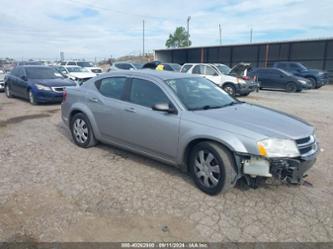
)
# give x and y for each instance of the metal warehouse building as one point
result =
(312, 53)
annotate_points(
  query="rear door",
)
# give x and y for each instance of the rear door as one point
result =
(146, 130)
(107, 107)
(264, 78)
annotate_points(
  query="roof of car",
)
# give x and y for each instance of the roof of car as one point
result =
(162, 75)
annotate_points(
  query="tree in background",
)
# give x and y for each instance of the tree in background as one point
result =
(178, 39)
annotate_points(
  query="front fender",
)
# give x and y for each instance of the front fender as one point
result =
(235, 143)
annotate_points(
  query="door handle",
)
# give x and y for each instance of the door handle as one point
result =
(130, 109)
(95, 100)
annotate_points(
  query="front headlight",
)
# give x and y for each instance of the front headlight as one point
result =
(42, 87)
(275, 147)
(302, 81)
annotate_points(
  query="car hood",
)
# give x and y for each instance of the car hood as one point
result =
(82, 75)
(255, 121)
(54, 82)
(313, 71)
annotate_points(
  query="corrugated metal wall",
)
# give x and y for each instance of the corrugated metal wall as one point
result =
(312, 53)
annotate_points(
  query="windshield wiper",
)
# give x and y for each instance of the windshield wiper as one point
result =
(206, 107)
(234, 103)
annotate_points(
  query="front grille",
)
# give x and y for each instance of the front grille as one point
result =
(58, 89)
(307, 146)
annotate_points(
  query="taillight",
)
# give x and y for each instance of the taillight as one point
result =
(245, 77)
(64, 96)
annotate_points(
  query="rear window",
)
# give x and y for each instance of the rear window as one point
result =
(112, 87)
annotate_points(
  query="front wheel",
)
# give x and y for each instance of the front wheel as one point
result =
(82, 132)
(32, 98)
(212, 168)
(291, 87)
(8, 91)
(230, 89)
(313, 83)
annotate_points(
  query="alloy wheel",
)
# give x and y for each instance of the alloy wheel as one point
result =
(229, 90)
(7, 90)
(80, 130)
(207, 169)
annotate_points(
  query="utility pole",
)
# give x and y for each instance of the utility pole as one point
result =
(220, 30)
(188, 30)
(143, 37)
(251, 34)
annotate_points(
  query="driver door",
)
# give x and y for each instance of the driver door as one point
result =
(146, 130)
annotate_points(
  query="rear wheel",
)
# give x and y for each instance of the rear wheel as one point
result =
(8, 91)
(82, 132)
(211, 167)
(230, 89)
(291, 87)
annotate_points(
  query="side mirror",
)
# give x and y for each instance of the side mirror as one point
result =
(164, 107)
(24, 78)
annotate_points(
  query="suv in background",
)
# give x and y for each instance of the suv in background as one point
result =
(84, 64)
(275, 78)
(317, 77)
(235, 82)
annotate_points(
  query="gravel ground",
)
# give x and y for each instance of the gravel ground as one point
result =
(52, 190)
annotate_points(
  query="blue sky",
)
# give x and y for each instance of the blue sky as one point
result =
(100, 28)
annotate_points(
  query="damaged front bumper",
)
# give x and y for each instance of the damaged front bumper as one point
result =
(289, 170)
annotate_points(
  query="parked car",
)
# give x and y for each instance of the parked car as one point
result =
(233, 83)
(38, 84)
(275, 78)
(2, 80)
(76, 73)
(28, 63)
(125, 66)
(317, 78)
(84, 64)
(189, 122)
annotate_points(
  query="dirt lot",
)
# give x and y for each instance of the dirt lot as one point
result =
(52, 190)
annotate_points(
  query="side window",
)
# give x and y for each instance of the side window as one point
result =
(14, 71)
(112, 87)
(71, 63)
(294, 67)
(282, 66)
(185, 68)
(211, 71)
(146, 93)
(198, 69)
(167, 67)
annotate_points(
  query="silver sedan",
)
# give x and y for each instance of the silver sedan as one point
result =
(188, 122)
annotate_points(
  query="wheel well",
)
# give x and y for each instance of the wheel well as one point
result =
(311, 77)
(228, 83)
(74, 112)
(193, 143)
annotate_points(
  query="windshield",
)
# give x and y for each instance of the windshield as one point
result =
(302, 67)
(85, 64)
(42, 73)
(223, 68)
(175, 67)
(200, 94)
(76, 69)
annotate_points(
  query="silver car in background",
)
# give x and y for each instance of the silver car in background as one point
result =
(189, 122)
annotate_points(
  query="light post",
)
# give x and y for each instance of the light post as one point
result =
(188, 30)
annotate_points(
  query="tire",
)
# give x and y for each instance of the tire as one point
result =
(230, 89)
(212, 168)
(82, 132)
(32, 99)
(8, 91)
(313, 83)
(291, 87)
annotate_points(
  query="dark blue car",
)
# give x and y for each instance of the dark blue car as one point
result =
(38, 84)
